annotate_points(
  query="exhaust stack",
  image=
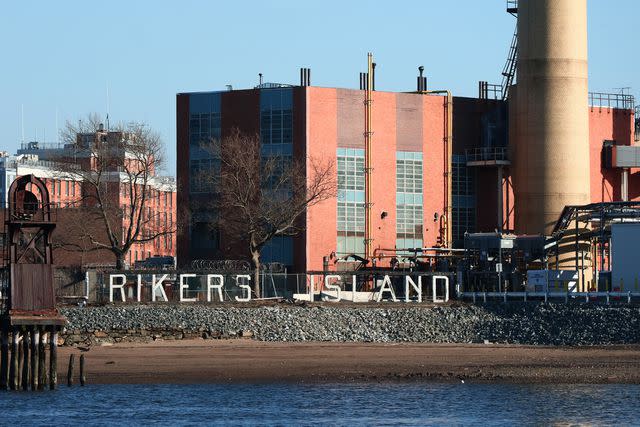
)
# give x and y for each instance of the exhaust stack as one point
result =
(549, 113)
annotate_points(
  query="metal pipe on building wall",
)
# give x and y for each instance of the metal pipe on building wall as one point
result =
(368, 135)
(448, 152)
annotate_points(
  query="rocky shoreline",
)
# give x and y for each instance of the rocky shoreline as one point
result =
(514, 323)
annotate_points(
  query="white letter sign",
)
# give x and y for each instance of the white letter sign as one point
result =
(158, 285)
(386, 287)
(119, 286)
(409, 283)
(332, 287)
(446, 288)
(217, 287)
(183, 286)
(243, 286)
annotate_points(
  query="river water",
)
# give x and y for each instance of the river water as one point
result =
(326, 404)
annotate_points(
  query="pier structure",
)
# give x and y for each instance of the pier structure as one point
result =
(29, 320)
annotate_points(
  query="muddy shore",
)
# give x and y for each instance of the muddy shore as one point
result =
(247, 361)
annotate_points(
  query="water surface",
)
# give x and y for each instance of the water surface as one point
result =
(339, 404)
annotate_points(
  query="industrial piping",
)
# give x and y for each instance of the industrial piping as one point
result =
(368, 135)
(448, 153)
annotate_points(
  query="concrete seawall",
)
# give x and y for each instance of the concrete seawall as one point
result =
(515, 323)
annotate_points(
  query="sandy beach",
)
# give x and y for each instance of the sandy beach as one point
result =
(248, 361)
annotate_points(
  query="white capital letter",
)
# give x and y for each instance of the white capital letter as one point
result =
(332, 287)
(139, 285)
(184, 286)
(119, 286)
(353, 288)
(446, 288)
(409, 283)
(217, 287)
(158, 285)
(312, 285)
(386, 287)
(243, 286)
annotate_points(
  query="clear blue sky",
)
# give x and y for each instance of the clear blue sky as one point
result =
(64, 54)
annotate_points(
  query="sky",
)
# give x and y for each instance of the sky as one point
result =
(62, 60)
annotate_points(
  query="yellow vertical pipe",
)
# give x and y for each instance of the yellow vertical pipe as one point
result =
(449, 177)
(447, 230)
(368, 135)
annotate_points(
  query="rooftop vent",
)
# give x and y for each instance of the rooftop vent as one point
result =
(305, 77)
(422, 81)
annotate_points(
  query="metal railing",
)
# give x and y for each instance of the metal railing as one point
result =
(611, 100)
(32, 212)
(490, 91)
(566, 297)
(269, 85)
(35, 145)
(487, 154)
(48, 164)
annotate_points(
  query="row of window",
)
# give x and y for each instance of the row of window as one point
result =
(276, 138)
(350, 217)
(162, 218)
(203, 174)
(161, 197)
(62, 187)
(276, 127)
(409, 202)
(409, 221)
(409, 176)
(204, 127)
(351, 172)
(351, 208)
(163, 242)
(464, 201)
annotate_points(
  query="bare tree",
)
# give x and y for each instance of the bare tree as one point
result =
(264, 196)
(117, 171)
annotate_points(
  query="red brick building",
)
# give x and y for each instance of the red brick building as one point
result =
(70, 196)
(413, 135)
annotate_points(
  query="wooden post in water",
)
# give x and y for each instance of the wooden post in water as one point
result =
(35, 357)
(25, 359)
(15, 361)
(70, 372)
(42, 361)
(53, 358)
(4, 357)
(83, 378)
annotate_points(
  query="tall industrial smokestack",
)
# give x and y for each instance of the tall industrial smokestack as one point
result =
(550, 123)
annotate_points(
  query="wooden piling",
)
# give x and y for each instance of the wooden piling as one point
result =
(83, 378)
(20, 359)
(42, 362)
(4, 358)
(15, 361)
(25, 360)
(70, 371)
(35, 357)
(53, 358)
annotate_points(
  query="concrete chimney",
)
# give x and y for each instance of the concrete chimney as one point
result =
(549, 113)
